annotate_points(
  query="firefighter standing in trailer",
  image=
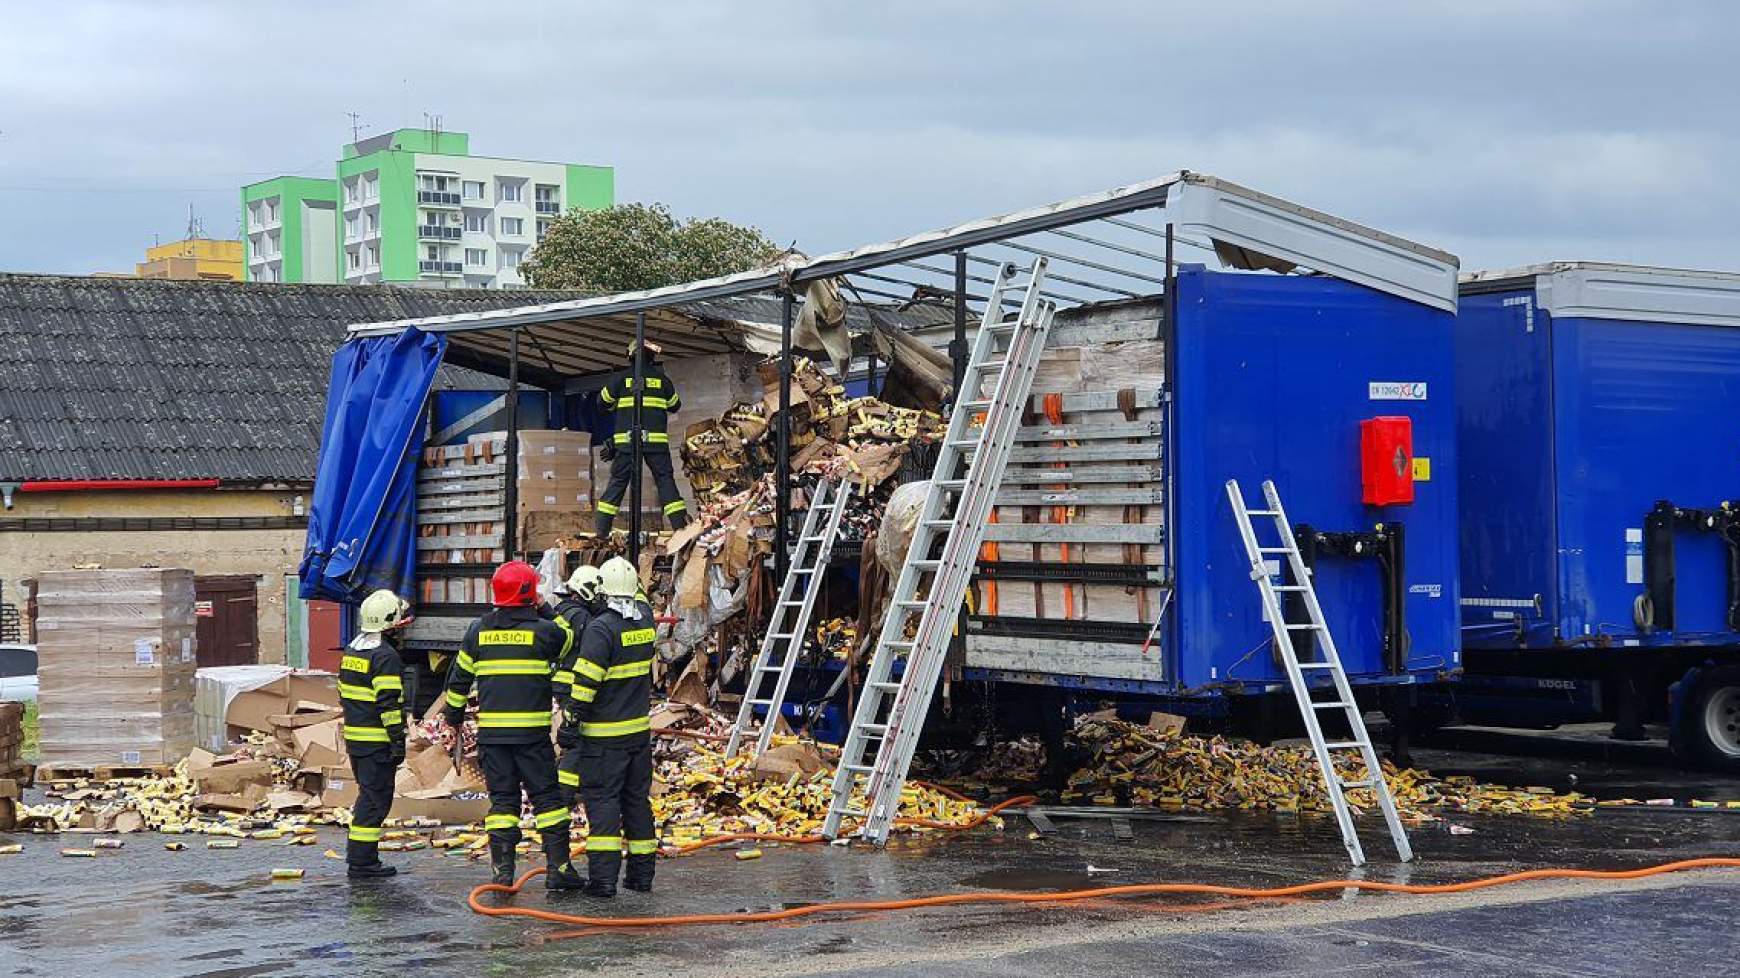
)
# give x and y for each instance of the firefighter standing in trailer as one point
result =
(578, 607)
(371, 687)
(511, 654)
(658, 400)
(607, 719)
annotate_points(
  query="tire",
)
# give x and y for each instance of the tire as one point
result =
(1709, 727)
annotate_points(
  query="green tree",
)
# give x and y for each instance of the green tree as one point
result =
(641, 246)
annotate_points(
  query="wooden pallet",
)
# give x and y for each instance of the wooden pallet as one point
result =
(57, 771)
(20, 772)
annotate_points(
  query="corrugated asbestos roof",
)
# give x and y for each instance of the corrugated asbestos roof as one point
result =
(112, 378)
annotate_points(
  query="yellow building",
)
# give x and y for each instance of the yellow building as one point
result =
(193, 258)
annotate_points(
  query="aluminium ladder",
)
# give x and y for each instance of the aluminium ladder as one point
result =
(783, 644)
(944, 548)
(1330, 663)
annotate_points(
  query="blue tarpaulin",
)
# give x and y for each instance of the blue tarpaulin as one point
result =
(362, 521)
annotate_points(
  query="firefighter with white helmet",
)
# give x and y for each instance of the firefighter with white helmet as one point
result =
(607, 720)
(371, 687)
(582, 602)
(657, 400)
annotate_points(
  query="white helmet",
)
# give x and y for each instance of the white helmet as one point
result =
(618, 579)
(383, 611)
(584, 582)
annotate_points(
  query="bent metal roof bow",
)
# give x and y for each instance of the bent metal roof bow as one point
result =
(1102, 246)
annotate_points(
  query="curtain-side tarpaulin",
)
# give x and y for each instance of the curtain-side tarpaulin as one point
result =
(362, 518)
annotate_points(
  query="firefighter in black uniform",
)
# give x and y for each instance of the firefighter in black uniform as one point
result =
(578, 607)
(370, 686)
(607, 720)
(511, 654)
(658, 401)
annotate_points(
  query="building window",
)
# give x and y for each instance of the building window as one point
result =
(374, 253)
(477, 256)
(350, 227)
(350, 191)
(477, 223)
(272, 209)
(473, 189)
(372, 222)
(543, 228)
(511, 190)
(510, 258)
(371, 186)
(513, 227)
(352, 260)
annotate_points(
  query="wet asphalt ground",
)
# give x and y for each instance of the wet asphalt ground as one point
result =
(145, 911)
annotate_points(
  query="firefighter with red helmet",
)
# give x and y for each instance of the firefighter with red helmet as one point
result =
(511, 654)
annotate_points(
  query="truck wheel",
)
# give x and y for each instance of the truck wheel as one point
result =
(1710, 725)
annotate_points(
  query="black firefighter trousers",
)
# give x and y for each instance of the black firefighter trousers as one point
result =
(508, 767)
(375, 769)
(616, 784)
(658, 461)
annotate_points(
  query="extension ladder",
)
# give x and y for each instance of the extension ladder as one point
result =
(783, 644)
(941, 559)
(1299, 668)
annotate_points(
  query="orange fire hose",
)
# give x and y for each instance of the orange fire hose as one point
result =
(1061, 896)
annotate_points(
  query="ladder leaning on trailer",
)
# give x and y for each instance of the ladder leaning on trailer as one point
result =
(941, 557)
(1341, 692)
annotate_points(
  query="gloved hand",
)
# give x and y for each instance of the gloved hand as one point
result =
(568, 737)
(398, 751)
(455, 717)
(608, 452)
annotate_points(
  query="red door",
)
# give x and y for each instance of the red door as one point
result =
(325, 634)
(226, 620)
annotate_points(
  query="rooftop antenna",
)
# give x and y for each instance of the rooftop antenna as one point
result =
(432, 123)
(195, 227)
(355, 126)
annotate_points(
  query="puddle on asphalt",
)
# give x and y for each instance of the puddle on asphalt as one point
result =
(1035, 879)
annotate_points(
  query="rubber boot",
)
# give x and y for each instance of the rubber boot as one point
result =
(559, 872)
(638, 876)
(501, 860)
(365, 862)
(679, 519)
(602, 869)
(603, 525)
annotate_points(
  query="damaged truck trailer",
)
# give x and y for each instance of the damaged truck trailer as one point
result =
(1317, 353)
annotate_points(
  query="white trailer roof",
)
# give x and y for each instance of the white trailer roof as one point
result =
(1119, 259)
(1606, 290)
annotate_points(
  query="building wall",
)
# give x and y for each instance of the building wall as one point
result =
(194, 258)
(274, 245)
(266, 555)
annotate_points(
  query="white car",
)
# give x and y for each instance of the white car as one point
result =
(18, 672)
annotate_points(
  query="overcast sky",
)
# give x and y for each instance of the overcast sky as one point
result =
(1504, 132)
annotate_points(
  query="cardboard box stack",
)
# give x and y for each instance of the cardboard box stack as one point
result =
(554, 487)
(11, 736)
(116, 666)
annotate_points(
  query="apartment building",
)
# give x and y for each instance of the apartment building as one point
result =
(413, 206)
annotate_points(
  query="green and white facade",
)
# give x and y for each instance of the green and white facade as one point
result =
(413, 206)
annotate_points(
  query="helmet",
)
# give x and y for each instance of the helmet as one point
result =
(617, 578)
(383, 611)
(584, 582)
(514, 585)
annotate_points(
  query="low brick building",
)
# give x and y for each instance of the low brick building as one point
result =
(176, 423)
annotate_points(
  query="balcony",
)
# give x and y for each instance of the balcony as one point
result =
(441, 198)
(439, 267)
(439, 232)
(549, 207)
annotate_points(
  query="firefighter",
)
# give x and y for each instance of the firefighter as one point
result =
(510, 654)
(582, 602)
(607, 720)
(658, 401)
(370, 686)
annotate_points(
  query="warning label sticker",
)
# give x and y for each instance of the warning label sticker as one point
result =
(1396, 390)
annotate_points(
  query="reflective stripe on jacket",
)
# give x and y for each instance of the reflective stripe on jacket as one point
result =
(510, 654)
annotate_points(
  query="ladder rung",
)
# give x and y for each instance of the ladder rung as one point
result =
(901, 645)
(875, 729)
(1330, 705)
(1275, 550)
(1300, 626)
(1344, 744)
(913, 603)
(936, 523)
(812, 537)
(926, 563)
(791, 604)
(849, 810)
(955, 484)
(1316, 665)
(990, 364)
(1262, 512)
(779, 635)
(884, 686)
(772, 667)
(1362, 783)
(1287, 587)
(976, 404)
(861, 768)
(759, 702)
(964, 443)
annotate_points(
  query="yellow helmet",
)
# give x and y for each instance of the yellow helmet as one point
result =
(383, 611)
(584, 581)
(618, 579)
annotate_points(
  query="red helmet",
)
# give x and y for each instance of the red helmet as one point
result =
(515, 585)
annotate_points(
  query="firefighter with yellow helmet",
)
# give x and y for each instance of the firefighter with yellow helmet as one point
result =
(657, 400)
